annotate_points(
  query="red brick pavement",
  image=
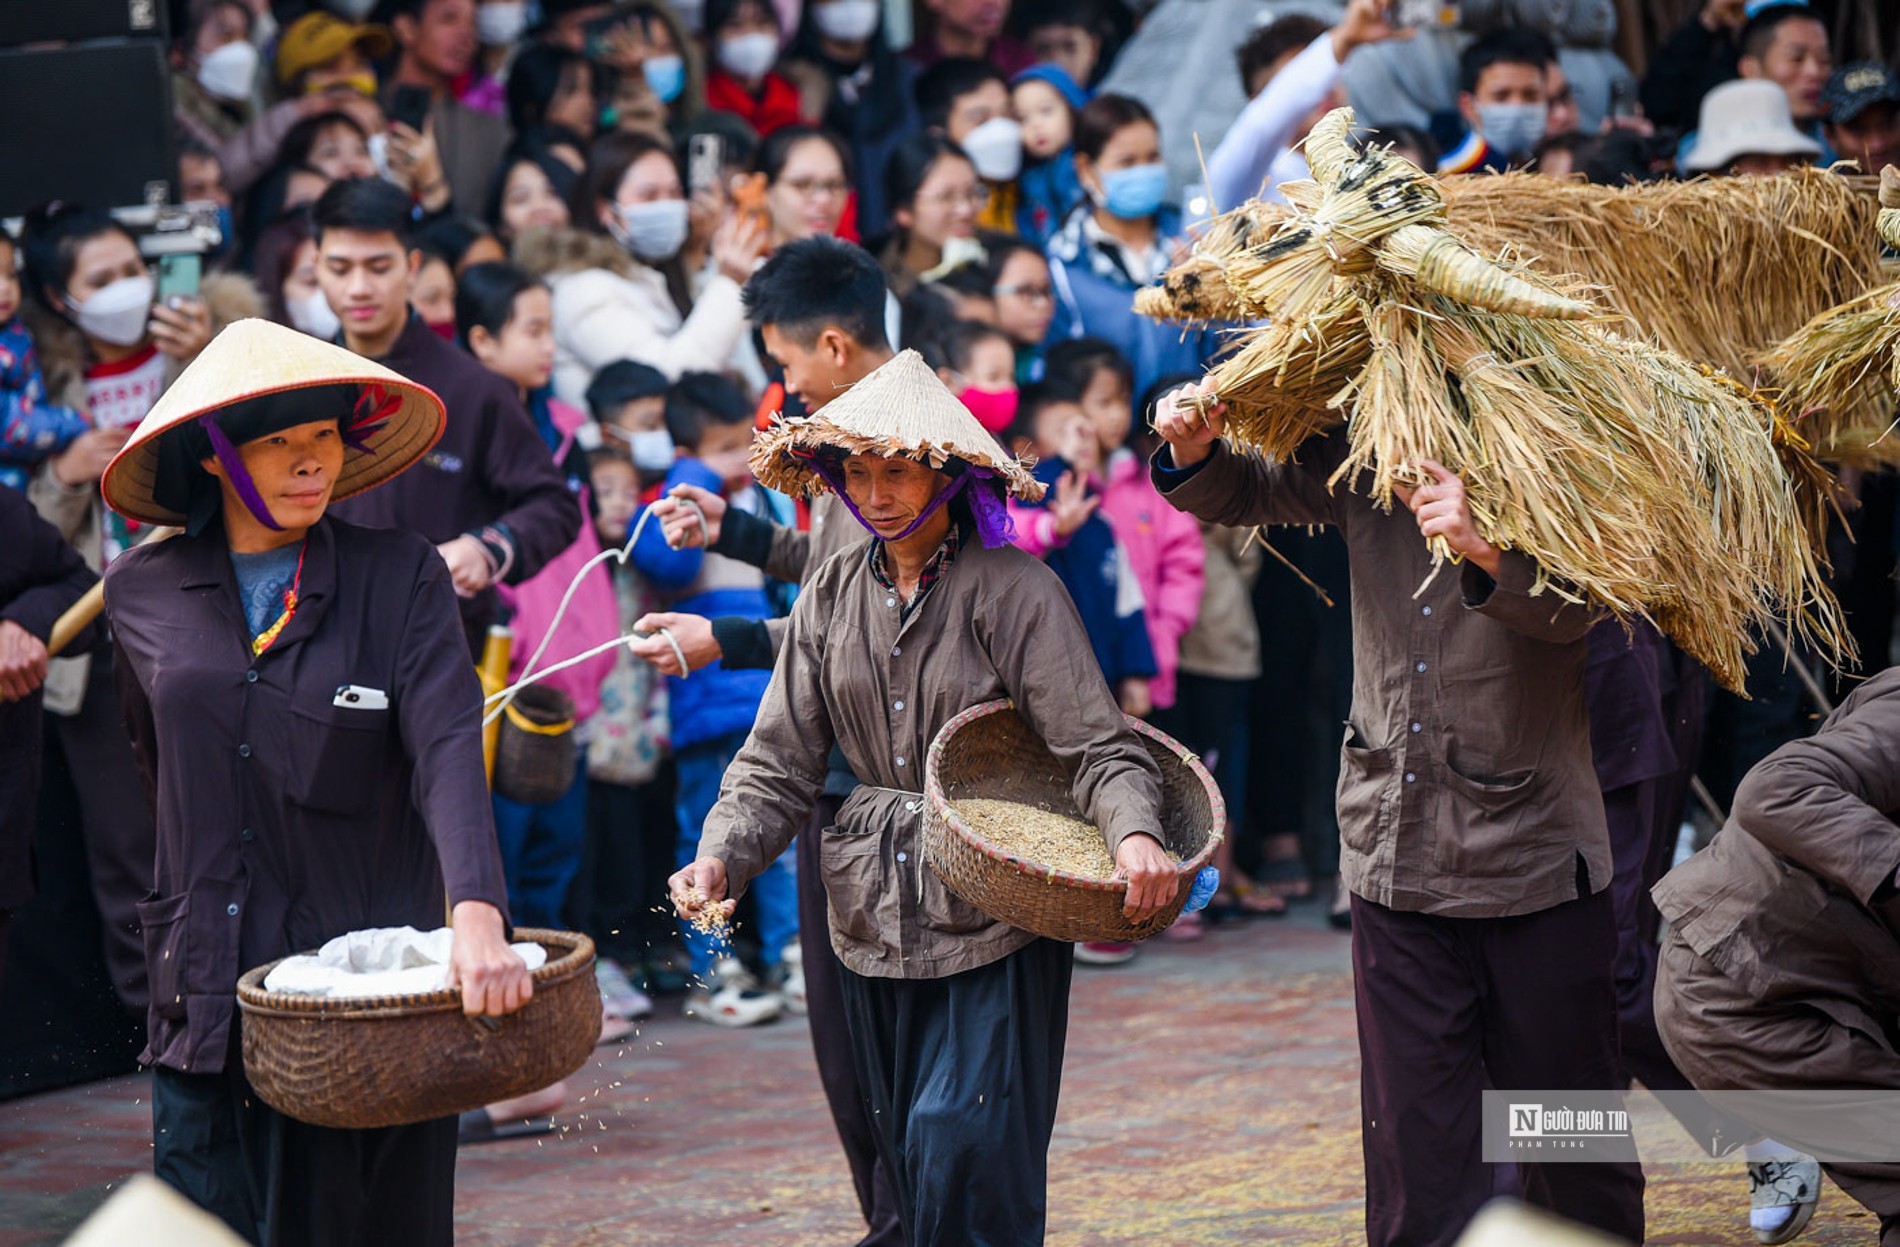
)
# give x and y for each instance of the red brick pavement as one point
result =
(1210, 1098)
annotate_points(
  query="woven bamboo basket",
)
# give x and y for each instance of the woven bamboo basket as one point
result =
(536, 751)
(988, 751)
(393, 1060)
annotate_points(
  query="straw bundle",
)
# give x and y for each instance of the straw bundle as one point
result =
(1634, 479)
(1841, 371)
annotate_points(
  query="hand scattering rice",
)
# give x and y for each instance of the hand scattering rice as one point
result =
(1042, 836)
(710, 920)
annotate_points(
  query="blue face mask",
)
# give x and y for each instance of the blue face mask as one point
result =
(666, 75)
(1132, 194)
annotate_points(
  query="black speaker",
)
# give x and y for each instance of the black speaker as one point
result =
(68, 21)
(89, 124)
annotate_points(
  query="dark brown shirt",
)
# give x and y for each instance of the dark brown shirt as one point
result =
(285, 816)
(855, 671)
(1781, 900)
(1465, 783)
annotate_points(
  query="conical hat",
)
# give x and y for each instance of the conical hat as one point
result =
(252, 358)
(900, 408)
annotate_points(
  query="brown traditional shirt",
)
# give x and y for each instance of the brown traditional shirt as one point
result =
(856, 671)
(1465, 782)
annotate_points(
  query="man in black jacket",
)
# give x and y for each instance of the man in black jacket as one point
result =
(488, 496)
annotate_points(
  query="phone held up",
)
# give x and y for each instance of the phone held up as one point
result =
(1425, 14)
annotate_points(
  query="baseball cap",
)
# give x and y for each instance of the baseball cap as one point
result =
(1853, 87)
(317, 38)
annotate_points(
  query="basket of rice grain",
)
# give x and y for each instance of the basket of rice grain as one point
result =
(363, 1062)
(1003, 831)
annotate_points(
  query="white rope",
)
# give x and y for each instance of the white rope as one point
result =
(530, 675)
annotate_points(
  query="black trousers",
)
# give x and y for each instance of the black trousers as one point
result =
(618, 897)
(1451, 1007)
(961, 1077)
(279, 1182)
(831, 1040)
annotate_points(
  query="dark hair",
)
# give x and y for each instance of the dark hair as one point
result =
(536, 76)
(1398, 134)
(1037, 397)
(199, 12)
(1618, 158)
(485, 296)
(1074, 362)
(812, 283)
(532, 149)
(452, 236)
(1111, 23)
(1274, 40)
(366, 205)
(622, 382)
(1101, 117)
(274, 255)
(1001, 251)
(197, 151)
(50, 241)
(608, 160)
(302, 137)
(777, 149)
(924, 316)
(1758, 35)
(949, 80)
(719, 12)
(1510, 46)
(959, 341)
(910, 162)
(699, 399)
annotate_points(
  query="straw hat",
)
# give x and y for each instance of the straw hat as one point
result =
(900, 408)
(252, 358)
(1745, 117)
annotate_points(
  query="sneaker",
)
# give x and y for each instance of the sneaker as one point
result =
(1104, 953)
(1782, 1196)
(618, 996)
(732, 998)
(1186, 929)
(790, 979)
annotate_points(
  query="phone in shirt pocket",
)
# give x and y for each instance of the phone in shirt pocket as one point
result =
(339, 749)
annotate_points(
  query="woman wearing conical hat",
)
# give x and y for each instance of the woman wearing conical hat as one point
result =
(957, 1021)
(306, 718)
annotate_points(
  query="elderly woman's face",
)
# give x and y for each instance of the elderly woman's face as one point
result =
(295, 471)
(891, 493)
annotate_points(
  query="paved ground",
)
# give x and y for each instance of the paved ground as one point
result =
(1210, 1099)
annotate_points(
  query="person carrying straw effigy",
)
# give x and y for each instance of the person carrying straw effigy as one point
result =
(958, 1022)
(302, 707)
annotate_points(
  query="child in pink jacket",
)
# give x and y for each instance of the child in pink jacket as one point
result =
(1163, 545)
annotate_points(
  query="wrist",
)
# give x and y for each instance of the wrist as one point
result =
(1187, 454)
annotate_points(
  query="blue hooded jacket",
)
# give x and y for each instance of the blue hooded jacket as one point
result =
(1096, 573)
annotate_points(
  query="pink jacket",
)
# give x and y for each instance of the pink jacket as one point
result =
(1163, 546)
(593, 617)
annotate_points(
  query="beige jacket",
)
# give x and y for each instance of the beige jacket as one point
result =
(998, 624)
(1224, 643)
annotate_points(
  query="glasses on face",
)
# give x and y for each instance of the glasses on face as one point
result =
(812, 188)
(974, 198)
(1034, 294)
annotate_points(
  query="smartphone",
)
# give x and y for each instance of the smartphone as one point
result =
(1424, 14)
(597, 35)
(409, 106)
(178, 276)
(705, 162)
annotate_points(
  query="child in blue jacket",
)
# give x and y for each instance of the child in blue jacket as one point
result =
(31, 429)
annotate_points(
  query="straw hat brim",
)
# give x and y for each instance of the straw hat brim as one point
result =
(233, 369)
(899, 408)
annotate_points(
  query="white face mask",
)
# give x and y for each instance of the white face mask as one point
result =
(653, 231)
(996, 149)
(312, 315)
(847, 21)
(230, 71)
(749, 56)
(116, 313)
(652, 449)
(499, 24)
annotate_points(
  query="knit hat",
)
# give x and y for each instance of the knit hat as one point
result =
(1057, 77)
(1745, 117)
(257, 377)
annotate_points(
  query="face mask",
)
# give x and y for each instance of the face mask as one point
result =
(666, 75)
(995, 410)
(116, 313)
(847, 21)
(443, 329)
(229, 71)
(363, 84)
(1131, 194)
(1514, 129)
(500, 24)
(749, 57)
(312, 315)
(654, 231)
(996, 149)
(652, 450)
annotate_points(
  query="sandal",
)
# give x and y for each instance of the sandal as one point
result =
(1286, 877)
(1242, 899)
